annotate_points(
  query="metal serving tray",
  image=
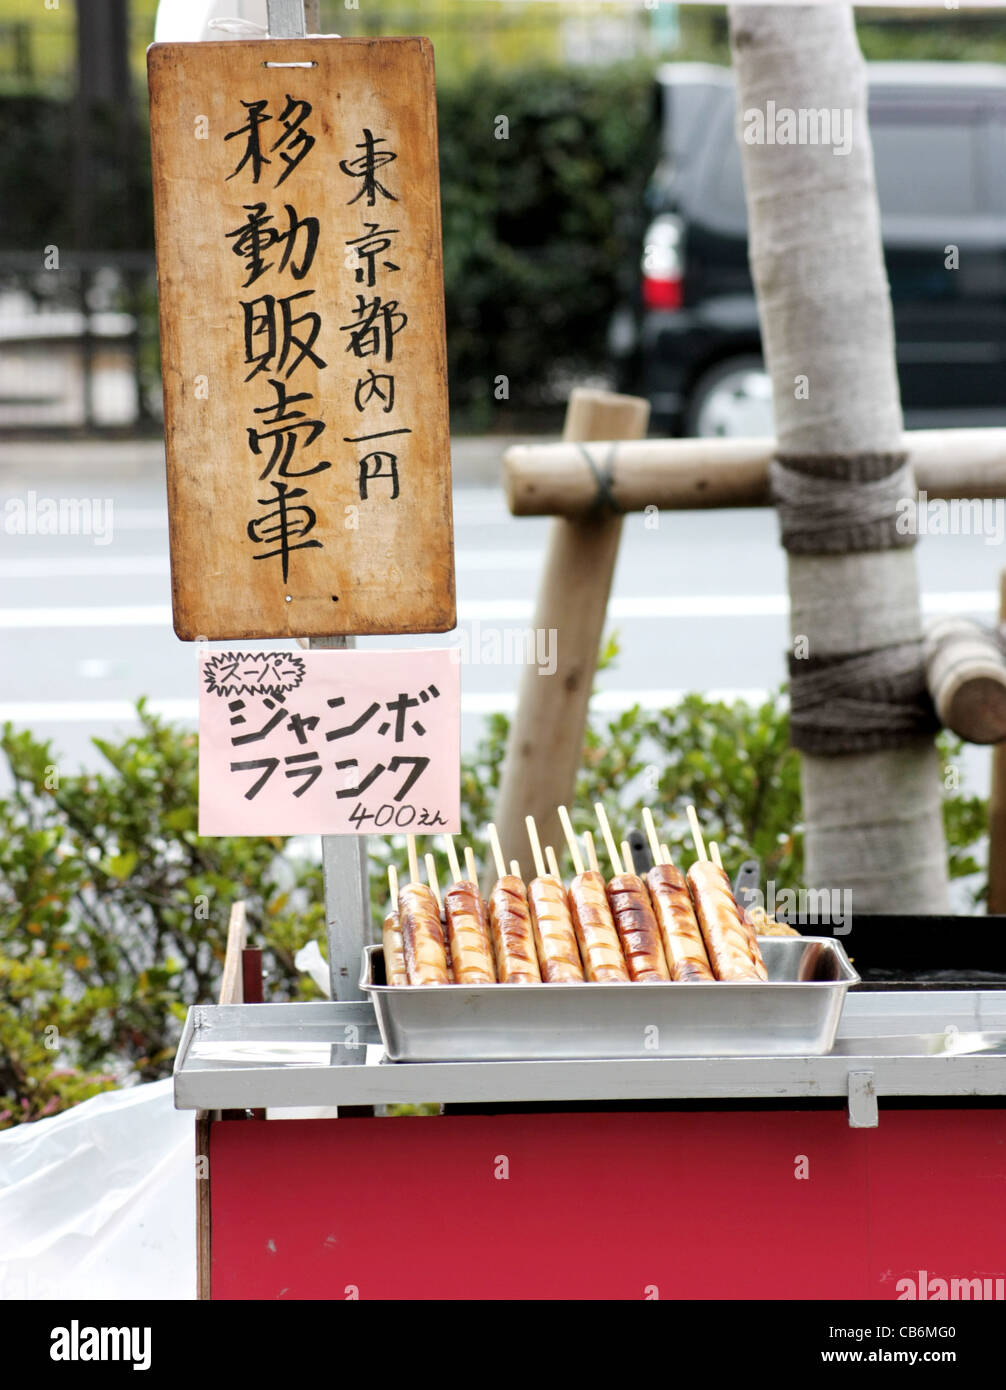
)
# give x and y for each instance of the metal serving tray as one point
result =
(794, 1013)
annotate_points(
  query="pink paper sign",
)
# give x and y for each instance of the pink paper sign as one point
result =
(329, 742)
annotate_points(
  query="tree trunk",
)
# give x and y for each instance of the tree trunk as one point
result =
(873, 817)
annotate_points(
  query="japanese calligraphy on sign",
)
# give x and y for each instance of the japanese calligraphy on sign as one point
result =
(302, 337)
(329, 742)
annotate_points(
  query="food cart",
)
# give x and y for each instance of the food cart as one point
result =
(653, 1177)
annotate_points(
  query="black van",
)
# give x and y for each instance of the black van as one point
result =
(691, 341)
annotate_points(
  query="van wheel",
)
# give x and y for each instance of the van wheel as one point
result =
(732, 400)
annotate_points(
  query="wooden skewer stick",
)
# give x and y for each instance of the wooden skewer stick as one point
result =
(665, 856)
(410, 841)
(497, 849)
(609, 839)
(700, 844)
(553, 863)
(452, 858)
(532, 835)
(515, 868)
(393, 885)
(471, 866)
(630, 867)
(651, 834)
(588, 841)
(431, 874)
(714, 854)
(574, 848)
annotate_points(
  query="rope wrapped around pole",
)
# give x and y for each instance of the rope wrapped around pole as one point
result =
(834, 504)
(842, 504)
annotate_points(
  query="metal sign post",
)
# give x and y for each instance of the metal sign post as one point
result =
(286, 19)
(344, 858)
(347, 889)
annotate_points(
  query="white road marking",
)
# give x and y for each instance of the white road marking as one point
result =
(83, 566)
(98, 711)
(472, 506)
(139, 518)
(146, 615)
(469, 561)
(97, 566)
(971, 602)
(484, 702)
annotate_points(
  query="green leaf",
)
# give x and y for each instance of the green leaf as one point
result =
(120, 866)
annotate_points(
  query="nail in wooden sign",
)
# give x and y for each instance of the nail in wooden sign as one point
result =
(297, 212)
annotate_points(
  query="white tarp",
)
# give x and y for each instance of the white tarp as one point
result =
(188, 21)
(100, 1201)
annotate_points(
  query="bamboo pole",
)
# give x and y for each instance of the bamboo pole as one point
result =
(546, 736)
(688, 474)
(997, 805)
(966, 675)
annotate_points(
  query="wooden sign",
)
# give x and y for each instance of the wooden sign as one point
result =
(329, 742)
(297, 209)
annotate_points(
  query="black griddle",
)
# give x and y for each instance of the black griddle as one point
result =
(894, 951)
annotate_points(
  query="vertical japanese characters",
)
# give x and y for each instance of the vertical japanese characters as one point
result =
(375, 320)
(278, 244)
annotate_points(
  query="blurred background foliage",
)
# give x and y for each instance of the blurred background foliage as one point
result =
(542, 229)
(37, 42)
(114, 911)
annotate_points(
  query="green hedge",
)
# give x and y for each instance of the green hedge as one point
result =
(541, 229)
(37, 179)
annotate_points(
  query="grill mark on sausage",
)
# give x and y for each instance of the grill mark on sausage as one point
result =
(422, 936)
(680, 933)
(468, 935)
(395, 972)
(595, 929)
(554, 934)
(513, 934)
(637, 928)
(727, 939)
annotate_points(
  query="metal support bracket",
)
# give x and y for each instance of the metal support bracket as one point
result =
(863, 1112)
(347, 888)
(285, 19)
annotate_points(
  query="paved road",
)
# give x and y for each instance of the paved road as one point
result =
(699, 603)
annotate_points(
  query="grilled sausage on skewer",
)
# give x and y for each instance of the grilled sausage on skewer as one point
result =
(595, 930)
(512, 933)
(395, 972)
(554, 936)
(468, 935)
(637, 928)
(753, 948)
(728, 940)
(422, 936)
(679, 931)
